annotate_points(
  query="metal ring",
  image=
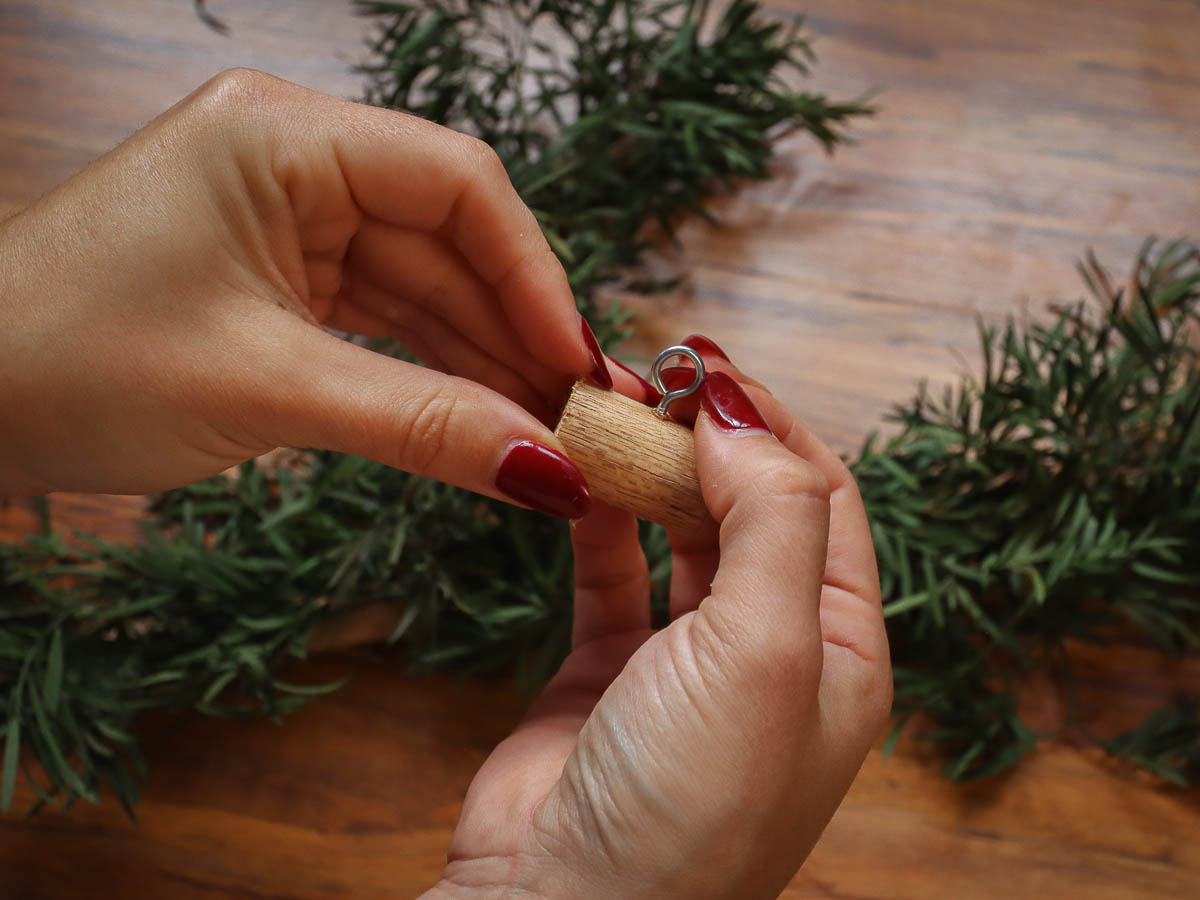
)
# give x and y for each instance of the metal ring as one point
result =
(670, 397)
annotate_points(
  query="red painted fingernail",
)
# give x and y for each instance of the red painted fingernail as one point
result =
(599, 373)
(544, 479)
(675, 378)
(702, 345)
(652, 395)
(727, 404)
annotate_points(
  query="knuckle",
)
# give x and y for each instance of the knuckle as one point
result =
(428, 431)
(786, 482)
(711, 644)
(480, 165)
(481, 158)
(777, 661)
(870, 677)
(804, 480)
(235, 90)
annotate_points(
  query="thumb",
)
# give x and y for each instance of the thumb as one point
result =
(330, 394)
(773, 510)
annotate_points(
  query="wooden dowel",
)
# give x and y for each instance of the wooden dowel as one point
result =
(633, 458)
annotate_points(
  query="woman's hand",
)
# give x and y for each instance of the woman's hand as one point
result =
(159, 311)
(705, 759)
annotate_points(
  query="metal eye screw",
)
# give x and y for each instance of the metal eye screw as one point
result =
(670, 397)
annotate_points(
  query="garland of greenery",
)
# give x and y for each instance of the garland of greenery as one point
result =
(1057, 498)
(608, 116)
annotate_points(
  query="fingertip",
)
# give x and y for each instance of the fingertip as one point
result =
(729, 407)
(599, 372)
(633, 385)
(705, 346)
(729, 461)
(543, 478)
(537, 300)
(601, 524)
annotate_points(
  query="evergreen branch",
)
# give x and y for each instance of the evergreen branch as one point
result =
(1056, 498)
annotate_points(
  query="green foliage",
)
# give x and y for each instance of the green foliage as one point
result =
(228, 583)
(1167, 743)
(1057, 498)
(635, 115)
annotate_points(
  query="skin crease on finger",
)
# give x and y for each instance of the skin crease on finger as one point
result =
(512, 375)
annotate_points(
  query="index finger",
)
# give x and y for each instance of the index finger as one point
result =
(416, 174)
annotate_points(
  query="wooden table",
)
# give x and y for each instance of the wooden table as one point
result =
(1012, 135)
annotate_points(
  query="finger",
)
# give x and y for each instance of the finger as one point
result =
(463, 358)
(418, 175)
(682, 409)
(768, 509)
(399, 273)
(455, 355)
(715, 359)
(851, 564)
(346, 317)
(612, 619)
(851, 558)
(712, 354)
(516, 778)
(421, 349)
(633, 385)
(318, 391)
(612, 580)
(695, 556)
(773, 509)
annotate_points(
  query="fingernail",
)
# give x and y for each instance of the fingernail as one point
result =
(652, 396)
(675, 378)
(702, 345)
(727, 404)
(599, 373)
(544, 479)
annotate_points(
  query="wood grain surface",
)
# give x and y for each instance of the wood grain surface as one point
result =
(1011, 136)
(633, 458)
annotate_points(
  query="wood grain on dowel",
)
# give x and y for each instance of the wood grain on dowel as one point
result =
(633, 458)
